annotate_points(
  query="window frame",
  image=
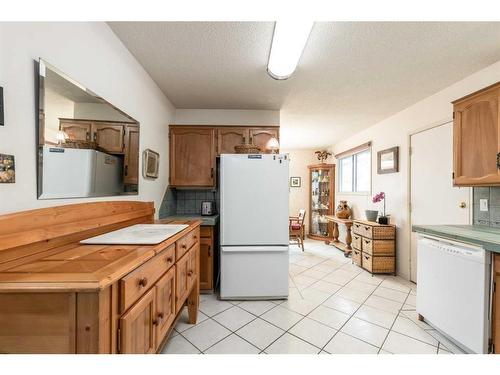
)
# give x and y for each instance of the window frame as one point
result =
(353, 156)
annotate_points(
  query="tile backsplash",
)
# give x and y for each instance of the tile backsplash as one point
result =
(186, 202)
(490, 218)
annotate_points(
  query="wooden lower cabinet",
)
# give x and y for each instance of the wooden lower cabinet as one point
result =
(137, 327)
(165, 304)
(207, 259)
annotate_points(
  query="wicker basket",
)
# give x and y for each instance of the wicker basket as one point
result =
(373, 230)
(247, 149)
(89, 145)
(376, 264)
(378, 247)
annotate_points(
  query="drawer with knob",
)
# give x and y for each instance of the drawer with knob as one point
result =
(378, 247)
(356, 241)
(185, 243)
(356, 256)
(137, 282)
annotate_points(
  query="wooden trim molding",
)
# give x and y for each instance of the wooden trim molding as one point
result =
(354, 150)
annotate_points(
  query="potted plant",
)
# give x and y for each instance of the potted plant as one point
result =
(383, 219)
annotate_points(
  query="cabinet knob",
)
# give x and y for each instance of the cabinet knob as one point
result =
(462, 205)
(169, 260)
(143, 282)
(155, 322)
(183, 245)
(190, 273)
(160, 315)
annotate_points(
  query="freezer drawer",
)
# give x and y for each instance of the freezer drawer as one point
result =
(254, 272)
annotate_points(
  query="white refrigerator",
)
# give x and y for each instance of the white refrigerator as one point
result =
(254, 226)
(75, 173)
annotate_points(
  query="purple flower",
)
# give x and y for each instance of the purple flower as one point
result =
(378, 197)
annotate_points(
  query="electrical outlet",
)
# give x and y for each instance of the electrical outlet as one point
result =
(483, 205)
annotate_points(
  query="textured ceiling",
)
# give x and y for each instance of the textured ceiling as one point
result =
(351, 74)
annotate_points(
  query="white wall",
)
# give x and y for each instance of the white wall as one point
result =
(299, 196)
(226, 117)
(394, 131)
(98, 111)
(59, 106)
(89, 53)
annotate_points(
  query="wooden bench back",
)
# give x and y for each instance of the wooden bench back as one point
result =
(30, 232)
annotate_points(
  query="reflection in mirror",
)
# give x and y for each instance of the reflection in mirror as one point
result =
(86, 146)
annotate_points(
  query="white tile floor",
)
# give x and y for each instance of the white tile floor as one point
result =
(334, 307)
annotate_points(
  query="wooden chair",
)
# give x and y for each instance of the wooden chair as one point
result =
(296, 228)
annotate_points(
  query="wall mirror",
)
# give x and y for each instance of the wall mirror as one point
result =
(86, 146)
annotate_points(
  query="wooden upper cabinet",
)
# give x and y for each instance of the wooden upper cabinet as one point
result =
(76, 131)
(260, 137)
(192, 156)
(138, 326)
(476, 138)
(227, 138)
(109, 137)
(131, 171)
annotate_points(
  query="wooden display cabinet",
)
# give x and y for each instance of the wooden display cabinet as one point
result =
(321, 200)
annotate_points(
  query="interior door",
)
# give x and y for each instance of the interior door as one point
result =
(433, 198)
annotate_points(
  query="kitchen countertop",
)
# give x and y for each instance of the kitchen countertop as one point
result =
(488, 238)
(205, 220)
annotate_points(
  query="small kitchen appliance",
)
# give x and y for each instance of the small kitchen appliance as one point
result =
(207, 208)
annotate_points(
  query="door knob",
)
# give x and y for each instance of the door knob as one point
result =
(462, 205)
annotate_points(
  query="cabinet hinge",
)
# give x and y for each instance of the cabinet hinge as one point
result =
(491, 346)
(453, 175)
(119, 346)
(453, 114)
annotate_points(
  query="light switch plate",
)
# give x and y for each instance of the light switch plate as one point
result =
(483, 205)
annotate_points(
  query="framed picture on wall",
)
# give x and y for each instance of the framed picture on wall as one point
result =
(7, 169)
(1, 107)
(388, 160)
(295, 182)
(150, 163)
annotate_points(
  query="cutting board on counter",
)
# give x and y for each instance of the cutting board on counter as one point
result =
(140, 234)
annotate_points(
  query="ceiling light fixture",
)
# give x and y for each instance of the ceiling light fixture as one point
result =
(289, 40)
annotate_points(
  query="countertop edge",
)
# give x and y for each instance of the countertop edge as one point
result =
(435, 231)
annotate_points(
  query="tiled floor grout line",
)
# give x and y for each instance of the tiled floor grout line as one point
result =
(392, 325)
(350, 317)
(338, 265)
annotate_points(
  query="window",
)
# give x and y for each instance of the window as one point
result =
(355, 172)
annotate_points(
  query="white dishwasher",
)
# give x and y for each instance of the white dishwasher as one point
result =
(454, 290)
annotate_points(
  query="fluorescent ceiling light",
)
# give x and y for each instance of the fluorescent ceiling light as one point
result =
(289, 40)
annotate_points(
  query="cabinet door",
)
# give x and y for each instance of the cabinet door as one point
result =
(131, 171)
(192, 156)
(165, 304)
(181, 281)
(206, 264)
(193, 271)
(260, 137)
(227, 138)
(476, 140)
(109, 137)
(138, 326)
(77, 131)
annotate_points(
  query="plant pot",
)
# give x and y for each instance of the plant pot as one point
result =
(384, 220)
(371, 215)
